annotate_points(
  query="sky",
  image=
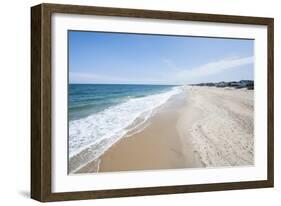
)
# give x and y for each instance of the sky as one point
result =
(120, 58)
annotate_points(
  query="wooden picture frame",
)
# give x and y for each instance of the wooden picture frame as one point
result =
(41, 116)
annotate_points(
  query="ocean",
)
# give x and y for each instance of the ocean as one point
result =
(100, 114)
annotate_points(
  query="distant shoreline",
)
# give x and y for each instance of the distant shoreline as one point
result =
(249, 84)
(235, 84)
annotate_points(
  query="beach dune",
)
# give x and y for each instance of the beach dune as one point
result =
(206, 127)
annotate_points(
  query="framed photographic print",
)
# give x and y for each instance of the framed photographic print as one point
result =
(130, 102)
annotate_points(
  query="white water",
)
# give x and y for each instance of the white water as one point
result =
(90, 137)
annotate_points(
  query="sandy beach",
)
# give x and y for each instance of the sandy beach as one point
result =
(207, 127)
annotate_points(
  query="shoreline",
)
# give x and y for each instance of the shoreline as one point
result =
(112, 124)
(160, 134)
(210, 127)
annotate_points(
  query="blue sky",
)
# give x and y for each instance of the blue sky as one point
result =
(97, 57)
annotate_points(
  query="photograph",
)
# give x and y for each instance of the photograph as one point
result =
(159, 102)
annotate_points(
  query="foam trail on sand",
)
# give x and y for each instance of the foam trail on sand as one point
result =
(91, 136)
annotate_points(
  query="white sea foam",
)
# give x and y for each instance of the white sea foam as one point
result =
(90, 137)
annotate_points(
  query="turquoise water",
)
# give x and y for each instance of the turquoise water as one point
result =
(87, 99)
(100, 115)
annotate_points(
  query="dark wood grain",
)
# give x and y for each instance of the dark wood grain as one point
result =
(156, 14)
(36, 58)
(41, 101)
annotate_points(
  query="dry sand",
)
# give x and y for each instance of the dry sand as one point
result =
(222, 127)
(209, 127)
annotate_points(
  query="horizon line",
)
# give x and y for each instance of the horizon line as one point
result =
(162, 84)
(129, 84)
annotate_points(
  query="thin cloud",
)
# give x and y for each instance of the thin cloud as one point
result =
(80, 77)
(175, 76)
(216, 67)
(170, 64)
